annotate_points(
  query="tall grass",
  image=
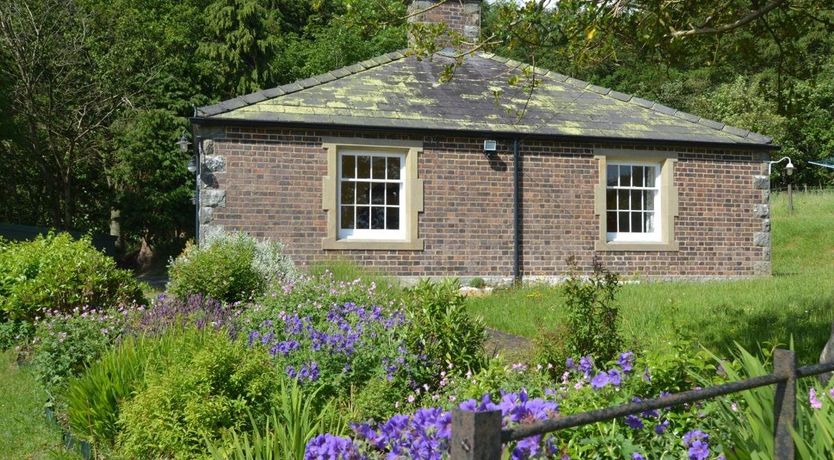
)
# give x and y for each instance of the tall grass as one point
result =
(798, 300)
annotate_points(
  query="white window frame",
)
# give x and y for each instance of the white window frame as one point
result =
(372, 234)
(657, 221)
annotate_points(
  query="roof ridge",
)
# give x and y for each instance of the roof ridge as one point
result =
(631, 99)
(289, 88)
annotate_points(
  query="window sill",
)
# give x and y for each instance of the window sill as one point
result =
(636, 246)
(373, 245)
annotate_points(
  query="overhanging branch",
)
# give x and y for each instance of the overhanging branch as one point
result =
(747, 19)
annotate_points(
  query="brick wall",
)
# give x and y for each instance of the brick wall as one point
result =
(460, 16)
(268, 183)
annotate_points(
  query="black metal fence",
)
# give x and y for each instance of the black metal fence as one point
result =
(478, 435)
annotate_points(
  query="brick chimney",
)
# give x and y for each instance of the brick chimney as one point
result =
(461, 16)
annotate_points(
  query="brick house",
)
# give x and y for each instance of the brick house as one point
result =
(380, 164)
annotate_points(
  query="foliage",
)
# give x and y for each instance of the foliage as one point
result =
(168, 313)
(285, 433)
(477, 282)
(15, 332)
(592, 313)
(66, 343)
(58, 273)
(441, 329)
(229, 267)
(208, 385)
(751, 413)
(94, 399)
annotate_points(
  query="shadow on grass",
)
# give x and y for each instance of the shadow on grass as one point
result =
(808, 323)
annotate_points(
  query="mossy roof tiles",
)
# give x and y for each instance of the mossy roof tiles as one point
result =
(393, 90)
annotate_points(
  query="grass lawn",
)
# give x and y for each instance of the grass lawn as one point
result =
(797, 301)
(24, 431)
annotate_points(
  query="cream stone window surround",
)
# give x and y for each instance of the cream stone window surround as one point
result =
(668, 192)
(412, 191)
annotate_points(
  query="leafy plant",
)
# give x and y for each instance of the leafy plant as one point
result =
(59, 273)
(441, 329)
(592, 313)
(293, 422)
(208, 385)
(477, 282)
(65, 344)
(229, 267)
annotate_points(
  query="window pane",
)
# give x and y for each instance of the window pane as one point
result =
(611, 222)
(378, 167)
(625, 176)
(612, 173)
(393, 194)
(393, 168)
(622, 199)
(348, 166)
(363, 193)
(347, 216)
(363, 218)
(348, 192)
(649, 221)
(363, 170)
(637, 200)
(611, 199)
(649, 199)
(637, 176)
(623, 222)
(393, 219)
(378, 193)
(651, 172)
(637, 222)
(378, 218)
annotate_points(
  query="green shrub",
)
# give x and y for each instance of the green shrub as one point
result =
(441, 329)
(65, 343)
(210, 384)
(293, 422)
(477, 283)
(229, 267)
(593, 315)
(550, 347)
(59, 273)
(94, 399)
(13, 332)
(378, 398)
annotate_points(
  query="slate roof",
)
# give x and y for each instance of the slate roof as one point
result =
(396, 91)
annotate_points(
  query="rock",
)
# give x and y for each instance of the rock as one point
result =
(761, 238)
(827, 356)
(469, 291)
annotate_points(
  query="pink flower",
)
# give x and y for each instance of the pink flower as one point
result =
(812, 397)
(831, 392)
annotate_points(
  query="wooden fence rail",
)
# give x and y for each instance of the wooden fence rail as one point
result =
(478, 435)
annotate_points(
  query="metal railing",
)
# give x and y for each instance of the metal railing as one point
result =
(478, 435)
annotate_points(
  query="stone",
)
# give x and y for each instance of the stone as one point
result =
(214, 198)
(208, 147)
(761, 268)
(761, 182)
(215, 163)
(827, 356)
(761, 238)
(762, 210)
(766, 225)
(206, 215)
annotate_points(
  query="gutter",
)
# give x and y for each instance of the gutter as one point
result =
(516, 212)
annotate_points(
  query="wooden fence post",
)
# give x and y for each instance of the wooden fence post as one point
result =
(784, 365)
(476, 435)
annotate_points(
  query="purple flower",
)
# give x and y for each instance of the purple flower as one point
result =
(626, 361)
(696, 442)
(586, 365)
(812, 398)
(614, 377)
(637, 456)
(600, 381)
(634, 422)
(329, 447)
(569, 364)
(660, 428)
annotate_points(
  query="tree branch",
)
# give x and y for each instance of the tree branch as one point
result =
(750, 17)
